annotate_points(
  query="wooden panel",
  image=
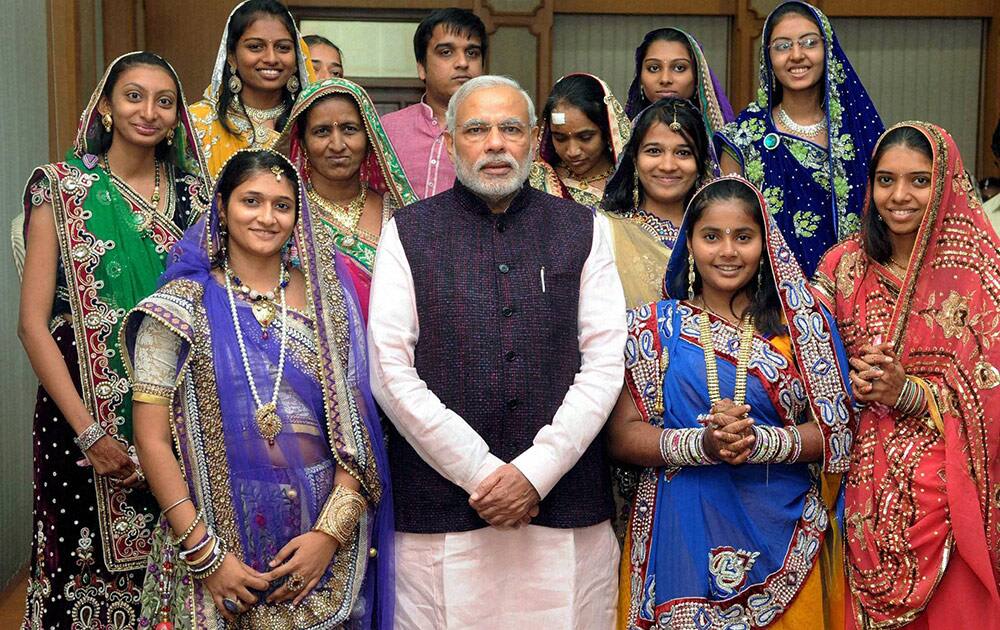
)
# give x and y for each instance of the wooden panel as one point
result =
(658, 7)
(187, 34)
(120, 21)
(908, 8)
(24, 137)
(605, 45)
(513, 53)
(923, 69)
(64, 74)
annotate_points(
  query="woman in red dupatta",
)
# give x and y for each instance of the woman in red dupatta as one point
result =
(922, 513)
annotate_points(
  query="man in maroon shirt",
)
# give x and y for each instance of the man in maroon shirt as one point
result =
(450, 47)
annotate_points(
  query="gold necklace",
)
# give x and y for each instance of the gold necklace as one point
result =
(348, 216)
(711, 365)
(264, 115)
(583, 182)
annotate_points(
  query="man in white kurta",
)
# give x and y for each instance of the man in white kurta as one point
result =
(496, 334)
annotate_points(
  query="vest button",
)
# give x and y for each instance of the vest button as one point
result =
(506, 311)
(501, 226)
(510, 356)
(504, 268)
(513, 403)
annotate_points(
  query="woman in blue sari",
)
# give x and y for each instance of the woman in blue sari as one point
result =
(807, 138)
(255, 424)
(731, 527)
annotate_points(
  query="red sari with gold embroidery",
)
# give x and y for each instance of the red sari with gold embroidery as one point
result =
(922, 515)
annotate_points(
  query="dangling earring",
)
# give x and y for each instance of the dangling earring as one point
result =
(293, 84)
(170, 137)
(235, 85)
(760, 278)
(223, 240)
(691, 275)
(107, 121)
(635, 190)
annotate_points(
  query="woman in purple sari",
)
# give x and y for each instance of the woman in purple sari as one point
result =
(255, 424)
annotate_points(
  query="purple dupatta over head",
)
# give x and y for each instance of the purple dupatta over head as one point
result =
(339, 405)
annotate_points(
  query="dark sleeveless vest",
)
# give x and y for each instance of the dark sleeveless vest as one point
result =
(495, 347)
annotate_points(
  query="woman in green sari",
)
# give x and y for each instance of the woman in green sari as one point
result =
(98, 227)
(353, 178)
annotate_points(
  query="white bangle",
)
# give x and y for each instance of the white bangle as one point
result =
(89, 436)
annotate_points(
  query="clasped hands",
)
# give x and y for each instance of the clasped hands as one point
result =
(876, 375)
(505, 498)
(729, 434)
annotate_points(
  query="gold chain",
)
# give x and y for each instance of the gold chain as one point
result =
(348, 216)
(742, 362)
(583, 182)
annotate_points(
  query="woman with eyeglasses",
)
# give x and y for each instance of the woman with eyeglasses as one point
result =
(806, 139)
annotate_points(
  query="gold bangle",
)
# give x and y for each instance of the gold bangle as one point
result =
(341, 514)
(187, 532)
(193, 562)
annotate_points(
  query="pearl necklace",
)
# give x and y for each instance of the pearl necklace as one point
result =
(711, 365)
(806, 131)
(267, 418)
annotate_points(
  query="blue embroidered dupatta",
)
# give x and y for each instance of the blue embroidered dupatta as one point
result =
(794, 174)
(725, 546)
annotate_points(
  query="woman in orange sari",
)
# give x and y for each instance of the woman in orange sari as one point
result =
(916, 296)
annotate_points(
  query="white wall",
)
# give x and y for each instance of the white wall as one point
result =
(24, 136)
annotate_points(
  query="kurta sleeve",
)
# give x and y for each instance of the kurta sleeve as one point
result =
(588, 403)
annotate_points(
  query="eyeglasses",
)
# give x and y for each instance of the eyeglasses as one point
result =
(785, 45)
(479, 131)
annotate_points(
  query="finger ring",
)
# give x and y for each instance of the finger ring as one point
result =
(231, 606)
(295, 582)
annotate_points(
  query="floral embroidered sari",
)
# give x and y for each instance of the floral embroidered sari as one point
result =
(217, 142)
(543, 175)
(922, 516)
(381, 172)
(746, 546)
(254, 496)
(112, 247)
(814, 193)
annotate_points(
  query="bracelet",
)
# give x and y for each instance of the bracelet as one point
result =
(796, 445)
(684, 447)
(200, 560)
(211, 567)
(341, 514)
(187, 553)
(774, 445)
(89, 436)
(187, 532)
(173, 505)
(911, 401)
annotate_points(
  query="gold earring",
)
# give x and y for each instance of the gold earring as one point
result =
(691, 275)
(235, 85)
(107, 121)
(293, 84)
(635, 190)
(170, 137)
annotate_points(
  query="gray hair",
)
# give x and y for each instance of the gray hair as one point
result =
(481, 83)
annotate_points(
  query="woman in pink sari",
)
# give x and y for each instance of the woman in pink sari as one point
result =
(353, 179)
(916, 296)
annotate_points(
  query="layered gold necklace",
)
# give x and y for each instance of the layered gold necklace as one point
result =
(582, 183)
(711, 364)
(348, 216)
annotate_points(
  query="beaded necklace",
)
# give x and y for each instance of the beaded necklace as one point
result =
(267, 418)
(711, 365)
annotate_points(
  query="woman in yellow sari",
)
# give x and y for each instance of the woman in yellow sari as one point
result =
(260, 68)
